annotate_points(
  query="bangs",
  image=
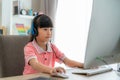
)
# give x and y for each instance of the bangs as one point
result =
(45, 22)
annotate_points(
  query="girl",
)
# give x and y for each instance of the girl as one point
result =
(40, 53)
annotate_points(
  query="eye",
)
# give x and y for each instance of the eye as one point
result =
(51, 29)
(45, 29)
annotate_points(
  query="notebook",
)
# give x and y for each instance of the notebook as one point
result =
(42, 78)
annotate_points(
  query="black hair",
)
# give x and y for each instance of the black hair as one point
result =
(40, 21)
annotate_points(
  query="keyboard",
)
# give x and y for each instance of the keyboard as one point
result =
(61, 75)
(89, 72)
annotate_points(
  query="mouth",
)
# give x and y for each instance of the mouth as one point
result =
(48, 37)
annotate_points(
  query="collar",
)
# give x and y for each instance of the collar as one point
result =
(40, 49)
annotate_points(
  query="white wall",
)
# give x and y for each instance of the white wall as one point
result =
(6, 13)
(0, 11)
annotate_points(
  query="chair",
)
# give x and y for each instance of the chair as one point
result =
(12, 55)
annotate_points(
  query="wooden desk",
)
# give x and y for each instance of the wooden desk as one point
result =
(104, 76)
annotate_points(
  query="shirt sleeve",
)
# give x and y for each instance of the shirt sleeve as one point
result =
(59, 55)
(29, 53)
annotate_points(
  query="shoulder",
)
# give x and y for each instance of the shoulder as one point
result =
(53, 45)
(28, 45)
(29, 49)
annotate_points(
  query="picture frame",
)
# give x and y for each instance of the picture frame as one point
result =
(2, 30)
(16, 7)
(20, 28)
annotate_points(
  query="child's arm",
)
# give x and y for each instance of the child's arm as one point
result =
(43, 68)
(72, 63)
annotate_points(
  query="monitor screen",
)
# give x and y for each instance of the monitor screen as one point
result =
(103, 43)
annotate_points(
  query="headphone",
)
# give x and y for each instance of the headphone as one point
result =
(33, 30)
(34, 26)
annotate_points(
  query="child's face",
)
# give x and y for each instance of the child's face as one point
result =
(44, 34)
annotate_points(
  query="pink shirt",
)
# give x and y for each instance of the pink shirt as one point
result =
(48, 58)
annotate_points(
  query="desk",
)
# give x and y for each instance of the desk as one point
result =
(104, 76)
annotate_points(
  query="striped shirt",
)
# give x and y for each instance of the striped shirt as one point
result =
(48, 58)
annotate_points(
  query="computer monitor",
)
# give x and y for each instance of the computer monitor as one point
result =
(103, 43)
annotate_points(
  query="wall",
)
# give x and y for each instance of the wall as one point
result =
(6, 14)
(0, 11)
(8, 20)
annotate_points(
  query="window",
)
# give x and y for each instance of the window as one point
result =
(71, 28)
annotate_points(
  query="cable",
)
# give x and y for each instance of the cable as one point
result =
(100, 59)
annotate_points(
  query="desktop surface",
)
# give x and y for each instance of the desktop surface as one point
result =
(104, 76)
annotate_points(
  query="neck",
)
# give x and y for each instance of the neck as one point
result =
(43, 45)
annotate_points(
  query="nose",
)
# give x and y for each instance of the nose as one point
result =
(49, 31)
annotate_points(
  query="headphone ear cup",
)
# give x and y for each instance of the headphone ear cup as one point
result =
(35, 31)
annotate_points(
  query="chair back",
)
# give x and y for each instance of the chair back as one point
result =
(12, 54)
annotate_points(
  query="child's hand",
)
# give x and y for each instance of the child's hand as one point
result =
(81, 65)
(57, 70)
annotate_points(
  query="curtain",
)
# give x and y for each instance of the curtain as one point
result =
(50, 8)
(72, 25)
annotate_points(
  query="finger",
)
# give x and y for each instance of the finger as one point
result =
(55, 70)
(58, 69)
(62, 70)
